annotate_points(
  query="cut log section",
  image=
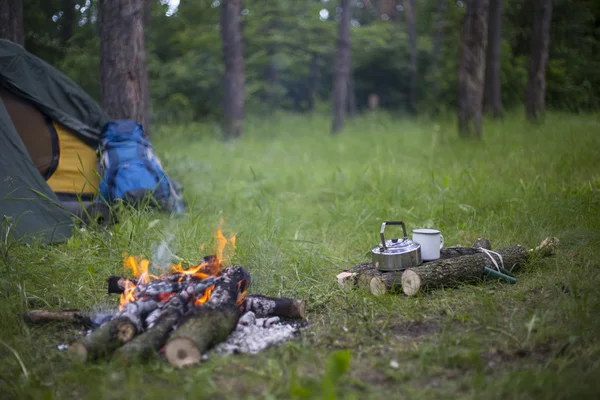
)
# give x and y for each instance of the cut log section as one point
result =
(467, 269)
(263, 306)
(104, 340)
(361, 275)
(206, 327)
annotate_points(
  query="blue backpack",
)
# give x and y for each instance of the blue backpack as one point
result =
(131, 171)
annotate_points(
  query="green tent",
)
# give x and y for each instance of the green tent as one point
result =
(49, 130)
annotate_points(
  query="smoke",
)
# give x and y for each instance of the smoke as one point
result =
(162, 256)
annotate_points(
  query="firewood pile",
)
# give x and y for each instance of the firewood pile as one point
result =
(457, 265)
(183, 313)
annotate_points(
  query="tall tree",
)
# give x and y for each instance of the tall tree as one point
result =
(11, 21)
(471, 68)
(411, 20)
(233, 79)
(437, 45)
(492, 96)
(342, 68)
(123, 75)
(540, 42)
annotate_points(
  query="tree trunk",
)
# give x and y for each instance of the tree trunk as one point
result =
(314, 81)
(11, 21)
(124, 79)
(351, 96)
(233, 80)
(342, 69)
(471, 68)
(411, 21)
(492, 94)
(536, 84)
(437, 45)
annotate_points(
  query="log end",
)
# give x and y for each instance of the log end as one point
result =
(300, 308)
(182, 352)
(126, 330)
(411, 282)
(377, 286)
(346, 279)
(78, 352)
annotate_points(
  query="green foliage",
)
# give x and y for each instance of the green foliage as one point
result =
(281, 37)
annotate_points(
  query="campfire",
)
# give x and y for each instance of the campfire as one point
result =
(183, 312)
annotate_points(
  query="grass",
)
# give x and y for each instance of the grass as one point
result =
(304, 206)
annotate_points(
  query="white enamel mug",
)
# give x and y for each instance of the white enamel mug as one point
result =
(431, 241)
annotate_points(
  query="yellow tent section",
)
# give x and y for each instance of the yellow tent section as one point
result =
(77, 164)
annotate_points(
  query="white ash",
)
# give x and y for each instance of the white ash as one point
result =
(252, 335)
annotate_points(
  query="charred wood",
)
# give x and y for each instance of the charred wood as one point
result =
(263, 306)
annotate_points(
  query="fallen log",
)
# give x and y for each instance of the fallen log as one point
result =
(449, 273)
(149, 343)
(263, 306)
(104, 340)
(362, 274)
(45, 316)
(211, 323)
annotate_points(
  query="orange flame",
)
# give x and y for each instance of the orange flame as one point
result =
(201, 300)
(242, 293)
(127, 295)
(139, 268)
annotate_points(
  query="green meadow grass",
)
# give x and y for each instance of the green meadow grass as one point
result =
(305, 205)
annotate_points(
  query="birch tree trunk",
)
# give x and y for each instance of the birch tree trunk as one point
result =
(123, 74)
(342, 69)
(535, 94)
(233, 80)
(492, 91)
(471, 68)
(11, 21)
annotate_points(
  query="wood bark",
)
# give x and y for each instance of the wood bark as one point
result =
(452, 272)
(233, 80)
(123, 74)
(471, 68)
(535, 104)
(437, 45)
(411, 22)
(264, 306)
(206, 327)
(342, 68)
(104, 340)
(11, 21)
(148, 343)
(492, 90)
(314, 81)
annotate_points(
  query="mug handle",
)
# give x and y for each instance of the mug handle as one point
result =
(441, 242)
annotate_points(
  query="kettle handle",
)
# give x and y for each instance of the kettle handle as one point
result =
(391, 223)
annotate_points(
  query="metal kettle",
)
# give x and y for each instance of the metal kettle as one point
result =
(396, 254)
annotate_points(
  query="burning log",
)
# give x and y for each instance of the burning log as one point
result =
(45, 316)
(148, 343)
(212, 323)
(363, 274)
(263, 306)
(104, 340)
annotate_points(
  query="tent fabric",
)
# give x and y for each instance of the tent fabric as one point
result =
(49, 90)
(77, 164)
(44, 96)
(28, 206)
